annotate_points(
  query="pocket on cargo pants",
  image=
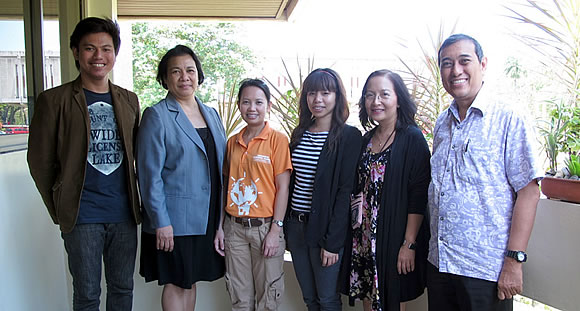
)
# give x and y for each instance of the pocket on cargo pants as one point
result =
(275, 293)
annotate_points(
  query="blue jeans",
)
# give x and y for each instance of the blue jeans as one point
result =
(319, 284)
(90, 244)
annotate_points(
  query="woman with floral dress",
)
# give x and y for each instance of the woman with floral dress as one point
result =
(389, 244)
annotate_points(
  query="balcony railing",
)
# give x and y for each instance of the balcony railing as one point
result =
(35, 261)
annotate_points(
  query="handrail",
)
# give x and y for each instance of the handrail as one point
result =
(13, 143)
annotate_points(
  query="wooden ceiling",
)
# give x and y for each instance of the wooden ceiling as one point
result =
(211, 9)
(238, 9)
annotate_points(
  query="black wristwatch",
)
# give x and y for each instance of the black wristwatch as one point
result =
(411, 245)
(280, 223)
(519, 256)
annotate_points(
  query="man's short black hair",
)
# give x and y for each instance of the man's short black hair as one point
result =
(456, 38)
(92, 25)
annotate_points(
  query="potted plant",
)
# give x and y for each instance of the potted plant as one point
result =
(561, 134)
(556, 40)
(564, 186)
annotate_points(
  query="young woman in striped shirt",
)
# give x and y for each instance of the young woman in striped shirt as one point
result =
(324, 153)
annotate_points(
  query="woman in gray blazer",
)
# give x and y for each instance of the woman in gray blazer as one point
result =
(180, 150)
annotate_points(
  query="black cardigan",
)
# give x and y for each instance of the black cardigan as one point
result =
(333, 183)
(405, 187)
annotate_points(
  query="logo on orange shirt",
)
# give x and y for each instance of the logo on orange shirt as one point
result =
(244, 194)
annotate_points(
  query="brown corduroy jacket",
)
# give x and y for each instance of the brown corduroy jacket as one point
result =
(58, 147)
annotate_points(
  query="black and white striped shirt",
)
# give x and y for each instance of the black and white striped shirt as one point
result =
(305, 161)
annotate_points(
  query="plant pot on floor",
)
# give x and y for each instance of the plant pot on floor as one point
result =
(561, 188)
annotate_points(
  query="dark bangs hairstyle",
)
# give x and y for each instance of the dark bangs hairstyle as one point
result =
(406, 107)
(322, 79)
(92, 25)
(257, 83)
(178, 50)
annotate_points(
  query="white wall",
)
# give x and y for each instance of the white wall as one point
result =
(35, 275)
(551, 274)
(32, 254)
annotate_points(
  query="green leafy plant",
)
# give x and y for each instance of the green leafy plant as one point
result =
(285, 104)
(222, 57)
(572, 135)
(573, 165)
(427, 88)
(553, 135)
(558, 42)
(228, 110)
(13, 114)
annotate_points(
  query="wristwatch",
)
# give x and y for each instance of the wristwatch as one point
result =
(519, 256)
(280, 223)
(411, 245)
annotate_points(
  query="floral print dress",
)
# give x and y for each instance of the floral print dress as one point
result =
(363, 273)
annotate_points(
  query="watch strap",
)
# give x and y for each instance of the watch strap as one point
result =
(519, 256)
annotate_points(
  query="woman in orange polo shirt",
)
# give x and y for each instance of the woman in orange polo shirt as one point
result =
(250, 235)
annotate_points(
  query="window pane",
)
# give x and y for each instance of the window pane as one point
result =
(13, 92)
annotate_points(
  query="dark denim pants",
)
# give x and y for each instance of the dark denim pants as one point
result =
(319, 284)
(90, 244)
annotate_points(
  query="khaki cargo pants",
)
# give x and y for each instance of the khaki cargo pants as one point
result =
(253, 281)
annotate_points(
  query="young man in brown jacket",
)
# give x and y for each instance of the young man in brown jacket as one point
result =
(80, 155)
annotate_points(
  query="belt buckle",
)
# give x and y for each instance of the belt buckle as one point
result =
(301, 217)
(247, 222)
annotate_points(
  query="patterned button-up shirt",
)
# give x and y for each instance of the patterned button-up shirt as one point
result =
(477, 167)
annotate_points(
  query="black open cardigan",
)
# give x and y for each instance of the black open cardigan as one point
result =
(329, 215)
(404, 192)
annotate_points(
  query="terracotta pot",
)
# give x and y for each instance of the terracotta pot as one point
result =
(560, 188)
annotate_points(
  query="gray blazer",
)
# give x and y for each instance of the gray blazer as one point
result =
(173, 169)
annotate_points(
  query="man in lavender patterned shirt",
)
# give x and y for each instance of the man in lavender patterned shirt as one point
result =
(484, 189)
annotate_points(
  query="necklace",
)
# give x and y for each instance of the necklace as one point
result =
(384, 144)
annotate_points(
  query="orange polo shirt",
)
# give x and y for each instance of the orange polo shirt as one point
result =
(252, 172)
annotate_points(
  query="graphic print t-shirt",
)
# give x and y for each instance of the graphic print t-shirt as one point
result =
(104, 198)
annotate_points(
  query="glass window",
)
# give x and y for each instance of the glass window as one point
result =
(14, 117)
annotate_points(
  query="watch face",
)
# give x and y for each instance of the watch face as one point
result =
(521, 256)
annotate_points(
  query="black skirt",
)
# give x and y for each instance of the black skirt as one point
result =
(193, 257)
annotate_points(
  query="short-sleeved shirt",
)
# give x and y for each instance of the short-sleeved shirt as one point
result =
(105, 196)
(477, 167)
(252, 172)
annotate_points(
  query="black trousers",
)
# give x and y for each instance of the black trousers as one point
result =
(449, 292)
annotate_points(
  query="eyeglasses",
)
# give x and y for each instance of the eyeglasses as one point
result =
(370, 97)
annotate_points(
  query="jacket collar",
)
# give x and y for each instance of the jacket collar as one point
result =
(184, 123)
